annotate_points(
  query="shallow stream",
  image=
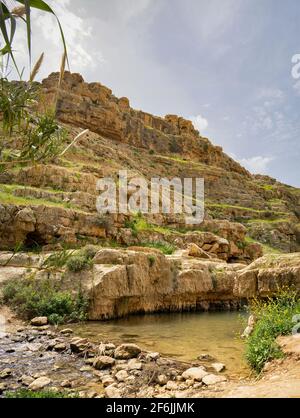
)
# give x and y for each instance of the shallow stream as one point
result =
(183, 336)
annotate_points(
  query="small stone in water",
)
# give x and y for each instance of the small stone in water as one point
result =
(39, 383)
(212, 379)
(219, 367)
(66, 331)
(66, 384)
(26, 380)
(5, 373)
(60, 347)
(103, 362)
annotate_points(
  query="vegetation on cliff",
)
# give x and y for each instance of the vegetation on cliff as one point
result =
(32, 297)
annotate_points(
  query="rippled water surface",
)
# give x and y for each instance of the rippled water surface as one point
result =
(183, 336)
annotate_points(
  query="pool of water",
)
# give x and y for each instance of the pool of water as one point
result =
(182, 336)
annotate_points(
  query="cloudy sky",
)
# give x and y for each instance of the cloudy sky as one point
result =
(225, 64)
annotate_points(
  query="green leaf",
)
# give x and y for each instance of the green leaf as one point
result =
(28, 26)
(8, 41)
(41, 5)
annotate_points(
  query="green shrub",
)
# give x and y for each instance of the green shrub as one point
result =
(58, 259)
(152, 260)
(43, 138)
(15, 102)
(77, 263)
(274, 318)
(167, 249)
(43, 394)
(31, 297)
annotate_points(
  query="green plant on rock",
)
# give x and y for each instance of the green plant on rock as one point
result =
(78, 263)
(58, 259)
(152, 260)
(32, 297)
(274, 318)
(165, 248)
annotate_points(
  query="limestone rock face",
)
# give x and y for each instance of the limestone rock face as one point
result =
(267, 274)
(93, 106)
(124, 282)
(44, 224)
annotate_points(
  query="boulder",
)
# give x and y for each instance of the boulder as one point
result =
(127, 351)
(195, 373)
(195, 251)
(103, 362)
(39, 383)
(78, 345)
(39, 321)
(212, 379)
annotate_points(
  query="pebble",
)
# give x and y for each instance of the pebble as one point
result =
(194, 373)
(66, 331)
(134, 365)
(103, 362)
(162, 379)
(5, 373)
(39, 383)
(112, 392)
(26, 380)
(107, 381)
(212, 379)
(66, 384)
(121, 376)
(60, 347)
(218, 367)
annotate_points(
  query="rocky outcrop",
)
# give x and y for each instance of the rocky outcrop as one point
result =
(93, 106)
(123, 282)
(265, 276)
(41, 225)
(46, 226)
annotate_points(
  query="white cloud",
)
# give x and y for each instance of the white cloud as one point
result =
(257, 165)
(226, 118)
(270, 93)
(199, 122)
(296, 87)
(267, 123)
(46, 38)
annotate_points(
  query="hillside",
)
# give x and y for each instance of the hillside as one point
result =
(56, 203)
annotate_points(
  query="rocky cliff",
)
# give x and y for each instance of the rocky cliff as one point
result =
(139, 280)
(55, 203)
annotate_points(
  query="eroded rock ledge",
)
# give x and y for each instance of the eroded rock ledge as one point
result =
(123, 282)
